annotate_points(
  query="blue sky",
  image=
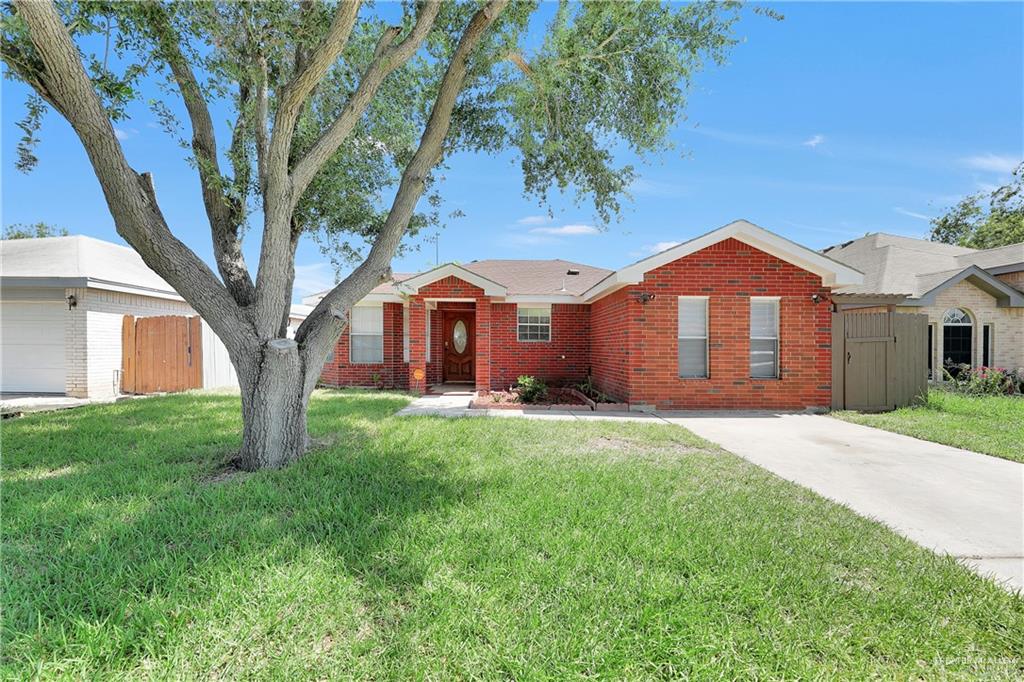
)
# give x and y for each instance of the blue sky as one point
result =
(843, 119)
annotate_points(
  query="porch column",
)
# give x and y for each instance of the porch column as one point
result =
(483, 345)
(417, 345)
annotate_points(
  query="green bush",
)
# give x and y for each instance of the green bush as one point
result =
(531, 389)
(986, 380)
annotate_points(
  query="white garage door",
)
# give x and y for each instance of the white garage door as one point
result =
(32, 346)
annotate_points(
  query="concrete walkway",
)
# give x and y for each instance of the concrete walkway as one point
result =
(20, 403)
(952, 501)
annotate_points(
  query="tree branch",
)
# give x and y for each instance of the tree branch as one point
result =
(130, 196)
(272, 277)
(318, 332)
(223, 217)
(387, 57)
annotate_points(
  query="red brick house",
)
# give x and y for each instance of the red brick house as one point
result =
(736, 318)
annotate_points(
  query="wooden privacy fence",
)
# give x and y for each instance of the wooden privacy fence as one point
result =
(161, 354)
(879, 360)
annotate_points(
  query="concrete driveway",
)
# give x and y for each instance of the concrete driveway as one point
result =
(952, 501)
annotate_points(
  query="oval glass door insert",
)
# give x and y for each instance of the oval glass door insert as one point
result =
(459, 336)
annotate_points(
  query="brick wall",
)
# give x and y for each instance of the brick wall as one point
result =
(609, 343)
(392, 372)
(1008, 325)
(564, 358)
(729, 274)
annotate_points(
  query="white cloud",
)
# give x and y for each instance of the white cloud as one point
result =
(567, 230)
(659, 247)
(533, 220)
(313, 278)
(124, 134)
(993, 163)
(813, 141)
(911, 214)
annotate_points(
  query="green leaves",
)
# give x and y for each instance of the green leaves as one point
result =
(971, 224)
(569, 97)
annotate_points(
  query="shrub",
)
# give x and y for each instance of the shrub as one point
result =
(531, 389)
(587, 388)
(986, 380)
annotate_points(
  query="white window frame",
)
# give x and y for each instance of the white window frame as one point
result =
(546, 326)
(352, 333)
(405, 333)
(778, 314)
(426, 311)
(706, 337)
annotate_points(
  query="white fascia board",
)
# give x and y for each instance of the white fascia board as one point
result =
(383, 298)
(832, 272)
(88, 283)
(412, 285)
(130, 289)
(542, 299)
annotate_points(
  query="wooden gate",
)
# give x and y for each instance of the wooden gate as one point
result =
(879, 360)
(161, 354)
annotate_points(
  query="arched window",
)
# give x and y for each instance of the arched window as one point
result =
(956, 316)
(957, 335)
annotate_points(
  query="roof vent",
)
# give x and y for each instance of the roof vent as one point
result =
(572, 272)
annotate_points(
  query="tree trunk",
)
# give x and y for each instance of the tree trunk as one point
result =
(274, 400)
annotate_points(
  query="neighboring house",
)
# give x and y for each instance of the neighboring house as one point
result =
(62, 303)
(974, 299)
(738, 317)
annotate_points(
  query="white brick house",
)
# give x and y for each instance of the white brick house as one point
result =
(974, 298)
(62, 302)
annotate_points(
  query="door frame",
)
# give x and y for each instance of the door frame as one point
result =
(470, 316)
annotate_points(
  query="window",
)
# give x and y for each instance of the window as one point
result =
(764, 338)
(957, 333)
(988, 350)
(366, 335)
(693, 337)
(534, 324)
(404, 334)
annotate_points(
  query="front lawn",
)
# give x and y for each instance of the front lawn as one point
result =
(992, 425)
(470, 548)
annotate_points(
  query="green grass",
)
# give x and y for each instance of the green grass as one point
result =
(992, 425)
(473, 548)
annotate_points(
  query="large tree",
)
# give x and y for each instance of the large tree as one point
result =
(333, 107)
(971, 223)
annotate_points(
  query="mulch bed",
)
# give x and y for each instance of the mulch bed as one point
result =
(557, 399)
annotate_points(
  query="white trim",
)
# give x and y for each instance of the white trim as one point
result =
(522, 306)
(777, 338)
(449, 300)
(542, 299)
(832, 272)
(706, 338)
(412, 285)
(382, 298)
(352, 333)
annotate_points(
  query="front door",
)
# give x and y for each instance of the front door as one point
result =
(458, 346)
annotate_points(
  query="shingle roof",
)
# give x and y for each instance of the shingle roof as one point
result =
(541, 277)
(893, 264)
(520, 277)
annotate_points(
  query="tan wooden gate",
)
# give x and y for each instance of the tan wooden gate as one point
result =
(879, 360)
(161, 354)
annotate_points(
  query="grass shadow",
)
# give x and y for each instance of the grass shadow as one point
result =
(114, 534)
